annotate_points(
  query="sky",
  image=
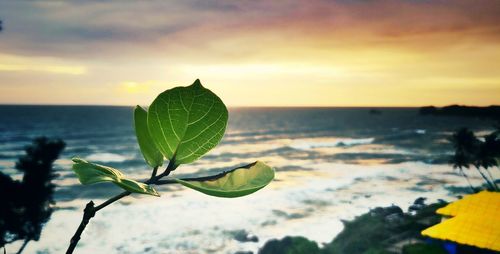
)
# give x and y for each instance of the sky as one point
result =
(252, 52)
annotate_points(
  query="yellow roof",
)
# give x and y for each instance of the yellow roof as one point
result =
(476, 221)
(464, 229)
(478, 204)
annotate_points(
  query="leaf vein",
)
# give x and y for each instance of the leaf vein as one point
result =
(202, 146)
(202, 131)
(161, 128)
(182, 102)
(169, 117)
(206, 113)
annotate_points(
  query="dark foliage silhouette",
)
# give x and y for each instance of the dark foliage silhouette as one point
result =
(491, 112)
(26, 204)
(471, 151)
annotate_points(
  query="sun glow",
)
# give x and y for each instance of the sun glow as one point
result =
(333, 53)
(47, 68)
(10, 63)
(134, 87)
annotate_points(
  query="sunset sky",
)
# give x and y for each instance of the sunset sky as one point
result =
(251, 52)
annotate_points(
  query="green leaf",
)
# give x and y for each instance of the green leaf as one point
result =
(234, 183)
(151, 154)
(90, 173)
(136, 187)
(187, 122)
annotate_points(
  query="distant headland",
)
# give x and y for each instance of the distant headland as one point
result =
(492, 112)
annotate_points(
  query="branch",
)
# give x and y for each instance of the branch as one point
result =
(90, 210)
(112, 200)
(155, 169)
(25, 243)
(88, 213)
(165, 182)
(203, 178)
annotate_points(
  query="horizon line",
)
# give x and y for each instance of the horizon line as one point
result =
(264, 106)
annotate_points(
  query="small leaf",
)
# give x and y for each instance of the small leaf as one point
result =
(90, 173)
(234, 183)
(187, 122)
(151, 154)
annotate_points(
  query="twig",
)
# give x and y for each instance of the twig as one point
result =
(204, 178)
(166, 181)
(88, 213)
(25, 243)
(491, 186)
(90, 210)
(111, 200)
(493, 181)
(153, 175)
(466, 178)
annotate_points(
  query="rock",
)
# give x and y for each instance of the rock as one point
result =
(290, 245)
(243, 236)
(386, 211)
(419, 201)
(418, 205)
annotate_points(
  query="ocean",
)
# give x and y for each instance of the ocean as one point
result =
(331, 165)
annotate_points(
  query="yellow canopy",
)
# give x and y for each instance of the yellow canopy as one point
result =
(478, 204)
(476, 221)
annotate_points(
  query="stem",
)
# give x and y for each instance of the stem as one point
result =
(485, 178)
(90, 210)
(467, 178)
(22, 246)
(155, 169)
(88, 213)
(166, 181)
(111, 200)
(492, 179)
(203, 178)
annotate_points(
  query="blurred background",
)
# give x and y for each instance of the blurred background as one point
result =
(327, 92)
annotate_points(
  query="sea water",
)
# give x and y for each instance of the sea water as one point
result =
(331, 165)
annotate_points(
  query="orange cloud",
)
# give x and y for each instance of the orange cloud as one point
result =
(258, 53)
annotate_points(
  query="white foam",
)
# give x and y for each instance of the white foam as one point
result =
(107, 157)
(308, 145)
(420, 131)
(186, 221)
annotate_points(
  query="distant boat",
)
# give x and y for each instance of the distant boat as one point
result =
(375, 112)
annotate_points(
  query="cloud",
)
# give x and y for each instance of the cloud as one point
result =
(10, 63)
(321, 52)
(47, 68)
(120, 29)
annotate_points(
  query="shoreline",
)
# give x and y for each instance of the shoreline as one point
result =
(314, 208)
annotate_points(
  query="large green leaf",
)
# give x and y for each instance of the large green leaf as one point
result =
(235, 183)
(187, 122)
(90, 173)
(149, 151)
